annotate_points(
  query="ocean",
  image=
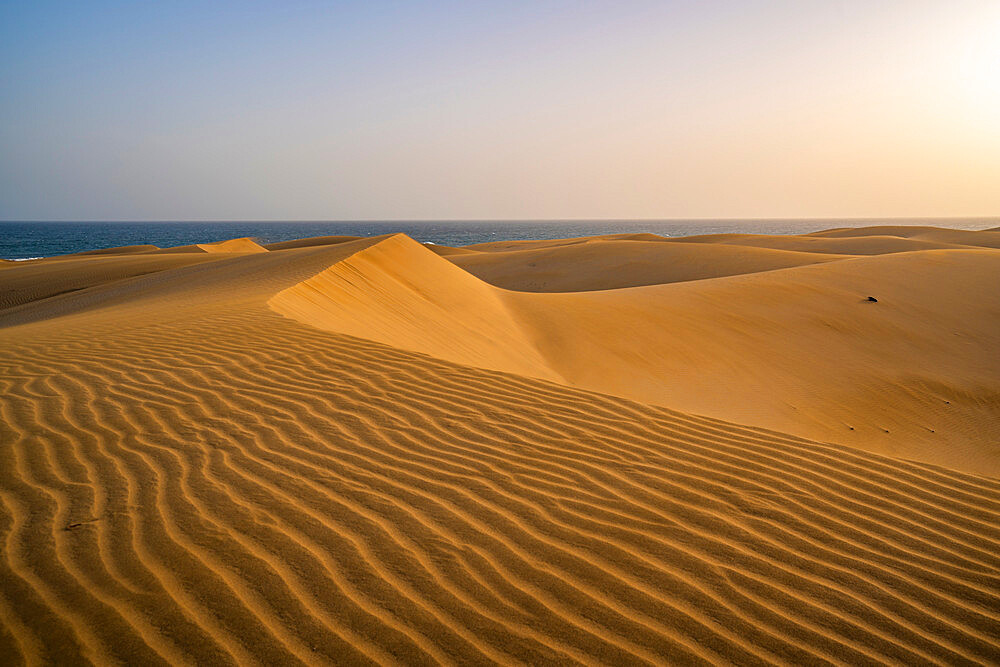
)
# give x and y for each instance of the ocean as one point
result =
(25, 240)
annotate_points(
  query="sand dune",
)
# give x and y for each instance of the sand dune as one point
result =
(241, 245)
(41, 279)
(233, 245)
(118, 250)
(399, 293)
(306, 243)
(799, 350)
(987, 239)
(600, 264)
(802, 351)
(190, 476)
(534, 244)
(870, 244)
(847, 242)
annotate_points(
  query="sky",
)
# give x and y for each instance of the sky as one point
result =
(300, 110)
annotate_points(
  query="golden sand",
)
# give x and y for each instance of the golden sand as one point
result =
(617, 450)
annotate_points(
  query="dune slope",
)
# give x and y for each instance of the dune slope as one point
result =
(399, 293)
(189, 477)
(599, 264)
(314, 241)
(869, 244)
(233, 245)
(915, 374)
(989, 238)
(45, 278)
(799, 350)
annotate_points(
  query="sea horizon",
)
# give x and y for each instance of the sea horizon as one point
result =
(33, 239)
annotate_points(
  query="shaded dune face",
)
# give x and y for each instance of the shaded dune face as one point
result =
(221, 462)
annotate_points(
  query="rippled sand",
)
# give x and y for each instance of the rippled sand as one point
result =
(615, 450)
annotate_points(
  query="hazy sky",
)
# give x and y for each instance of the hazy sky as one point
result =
(432, 110)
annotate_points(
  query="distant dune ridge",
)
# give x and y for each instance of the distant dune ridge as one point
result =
(620, 450)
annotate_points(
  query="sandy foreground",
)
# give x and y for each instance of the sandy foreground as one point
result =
(617, 450)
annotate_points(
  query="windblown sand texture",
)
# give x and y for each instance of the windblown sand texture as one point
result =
(615, 450)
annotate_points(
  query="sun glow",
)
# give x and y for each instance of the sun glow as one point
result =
(979, 69)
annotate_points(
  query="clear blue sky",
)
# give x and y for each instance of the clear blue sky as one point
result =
(432, 110)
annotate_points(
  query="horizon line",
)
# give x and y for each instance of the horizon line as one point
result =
(479, 220)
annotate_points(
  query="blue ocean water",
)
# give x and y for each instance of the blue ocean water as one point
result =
(21, 240)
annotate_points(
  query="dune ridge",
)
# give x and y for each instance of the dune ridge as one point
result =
(304, 243)
(189, 477)
(600, 264)
(233, 245)
(399, 293)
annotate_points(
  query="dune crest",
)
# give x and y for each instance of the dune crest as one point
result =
(233, 245)
(399, 293)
